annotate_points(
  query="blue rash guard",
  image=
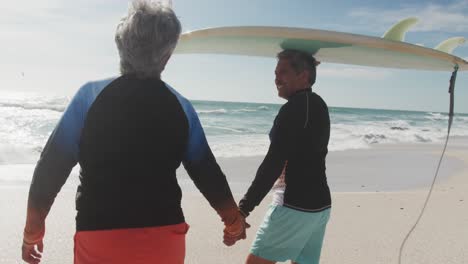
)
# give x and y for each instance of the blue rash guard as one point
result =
(129, 136)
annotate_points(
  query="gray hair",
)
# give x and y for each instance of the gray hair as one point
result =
(301, 61)
(146, 38)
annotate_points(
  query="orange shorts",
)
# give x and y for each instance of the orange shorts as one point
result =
(165, 244)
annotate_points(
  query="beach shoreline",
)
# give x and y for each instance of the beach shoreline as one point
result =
(367, 224)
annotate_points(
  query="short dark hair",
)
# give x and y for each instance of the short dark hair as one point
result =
(300, 61)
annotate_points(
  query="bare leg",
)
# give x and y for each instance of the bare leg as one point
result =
(252, 259)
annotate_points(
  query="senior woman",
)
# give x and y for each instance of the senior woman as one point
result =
(129, 135)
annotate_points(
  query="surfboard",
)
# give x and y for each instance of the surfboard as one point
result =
(389, 51)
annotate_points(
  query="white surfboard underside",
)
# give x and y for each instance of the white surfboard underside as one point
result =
(327, 46)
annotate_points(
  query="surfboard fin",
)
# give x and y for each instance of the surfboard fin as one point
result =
(450, 44)
(397, 32)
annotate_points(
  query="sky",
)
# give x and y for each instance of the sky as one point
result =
(55, 46)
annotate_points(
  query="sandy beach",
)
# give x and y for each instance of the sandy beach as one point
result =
(377, 196)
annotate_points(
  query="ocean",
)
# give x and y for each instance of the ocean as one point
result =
(233, 129)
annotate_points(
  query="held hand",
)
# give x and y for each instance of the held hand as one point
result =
(31, 253)
(235, 231)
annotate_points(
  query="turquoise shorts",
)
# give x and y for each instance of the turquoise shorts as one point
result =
(288, 234)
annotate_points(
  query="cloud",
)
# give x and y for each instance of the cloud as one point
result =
(360, 73)
(35, 27)
(33, 14)
(69, 40)
(432, 17)
(29, 11)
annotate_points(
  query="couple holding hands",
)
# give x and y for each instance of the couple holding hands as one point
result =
(129, 135)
